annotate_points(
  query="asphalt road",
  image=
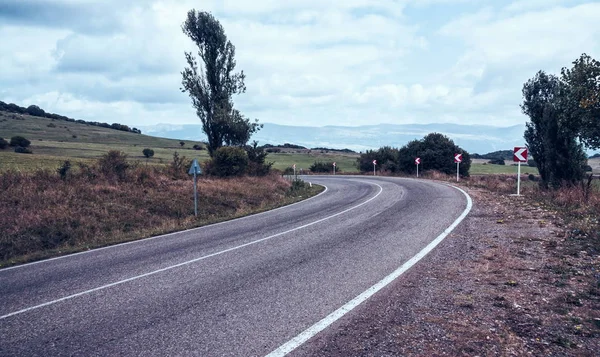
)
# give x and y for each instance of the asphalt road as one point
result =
(240, 288)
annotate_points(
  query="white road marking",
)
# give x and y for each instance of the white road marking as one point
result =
(193, 260)
(162, 236)
(350, 305)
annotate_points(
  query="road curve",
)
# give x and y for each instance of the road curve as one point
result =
(240, 288)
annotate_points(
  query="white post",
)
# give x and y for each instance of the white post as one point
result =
(334, 170)
(195, 195)
(294, 172)
(374, 174)
(417, 170)
(457, 170)
(519, 180)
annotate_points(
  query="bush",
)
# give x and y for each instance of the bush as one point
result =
(22, 150)
(298, 188)
(587, 168)
(496, 162)
(322, 167)
(148, 153)
(229, 161)
(19, 141)
(198, 147)
(3, 144)
(51, 125)
(114, 163)
(256, 160)
(179, 166)
(64, 169)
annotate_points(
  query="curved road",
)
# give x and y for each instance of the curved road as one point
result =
(240, 288)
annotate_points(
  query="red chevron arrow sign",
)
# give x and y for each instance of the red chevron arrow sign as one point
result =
(520, 154)
(418, 160)
(458, 158)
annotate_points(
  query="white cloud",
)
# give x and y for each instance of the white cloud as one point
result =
(315, 62)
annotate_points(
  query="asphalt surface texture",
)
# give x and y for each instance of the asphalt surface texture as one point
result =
(239, 288)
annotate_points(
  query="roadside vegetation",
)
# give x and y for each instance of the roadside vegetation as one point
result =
(435, 150)
(46, 213)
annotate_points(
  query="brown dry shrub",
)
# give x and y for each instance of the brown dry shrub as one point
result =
(40, 213)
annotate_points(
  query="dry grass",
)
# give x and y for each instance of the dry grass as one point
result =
(42, 215)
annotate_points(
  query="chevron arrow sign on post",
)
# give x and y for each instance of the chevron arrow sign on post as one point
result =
(457, 160)
(520, 154)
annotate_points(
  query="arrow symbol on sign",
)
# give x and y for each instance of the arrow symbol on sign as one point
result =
(458, 158)
(418, 160)
(519, 154)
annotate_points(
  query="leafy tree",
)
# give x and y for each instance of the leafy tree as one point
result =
(387, 160)
(212, 84)
(550, 136)
(19, 141)
(182, 143)
(365, 161)
(583, 82)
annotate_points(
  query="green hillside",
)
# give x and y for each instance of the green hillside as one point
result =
(53, 141)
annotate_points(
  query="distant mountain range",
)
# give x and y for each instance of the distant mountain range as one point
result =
(473, 138)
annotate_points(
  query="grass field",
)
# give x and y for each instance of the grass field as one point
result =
(485, 169)
(53, 142)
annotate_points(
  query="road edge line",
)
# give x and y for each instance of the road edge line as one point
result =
(119, 282)
(350, 305)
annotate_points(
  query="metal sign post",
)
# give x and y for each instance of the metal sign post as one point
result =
(519, 180)
(374, 165)
(195, 170)
(334, 168)
(418, 161)
(294, 166)
(458, 160)
(519, 155)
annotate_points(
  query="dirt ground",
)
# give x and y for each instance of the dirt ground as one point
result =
(511, 280)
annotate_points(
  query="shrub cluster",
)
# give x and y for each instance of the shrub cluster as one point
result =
(231, 161)
(435, 150)
(322, 167)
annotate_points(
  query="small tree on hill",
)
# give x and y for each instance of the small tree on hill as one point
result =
(148, 153)
(182, 143)
(19, 141)
(3, 144)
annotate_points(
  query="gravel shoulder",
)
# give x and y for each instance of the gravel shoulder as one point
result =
(511, 280)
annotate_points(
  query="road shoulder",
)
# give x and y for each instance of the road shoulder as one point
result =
(508, 281)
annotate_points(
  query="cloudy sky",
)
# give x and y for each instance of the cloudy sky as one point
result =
(307, 62)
